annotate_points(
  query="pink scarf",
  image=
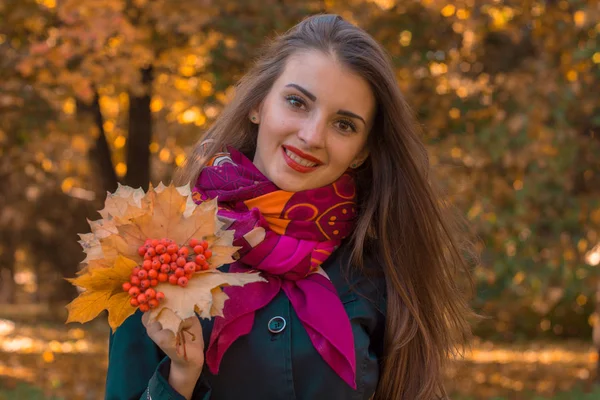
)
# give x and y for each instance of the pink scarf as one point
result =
(301, 230)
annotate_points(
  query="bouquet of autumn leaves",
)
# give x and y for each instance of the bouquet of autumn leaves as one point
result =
(157, 252)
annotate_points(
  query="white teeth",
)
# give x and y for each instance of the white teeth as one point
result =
(299, 160)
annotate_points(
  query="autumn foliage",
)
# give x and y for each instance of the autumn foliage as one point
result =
(114, 256)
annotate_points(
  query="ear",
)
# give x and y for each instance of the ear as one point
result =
(255, 113)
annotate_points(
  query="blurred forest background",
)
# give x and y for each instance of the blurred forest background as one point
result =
(98, 92)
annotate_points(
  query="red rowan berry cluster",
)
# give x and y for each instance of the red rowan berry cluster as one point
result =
(164, 261)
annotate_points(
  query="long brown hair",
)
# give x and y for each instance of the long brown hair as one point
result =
(403, 223)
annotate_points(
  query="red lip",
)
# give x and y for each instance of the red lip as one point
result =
(294, 165)
(303, 155)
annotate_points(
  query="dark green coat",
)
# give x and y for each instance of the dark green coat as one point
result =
(263, 365)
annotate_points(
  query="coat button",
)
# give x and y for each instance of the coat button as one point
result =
(276, 324)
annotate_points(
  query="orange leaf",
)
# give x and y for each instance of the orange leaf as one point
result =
(119, 309)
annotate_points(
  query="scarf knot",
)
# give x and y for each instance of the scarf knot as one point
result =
(286, 236)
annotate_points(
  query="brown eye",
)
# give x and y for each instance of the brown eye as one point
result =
(296, 102)
(346, 126)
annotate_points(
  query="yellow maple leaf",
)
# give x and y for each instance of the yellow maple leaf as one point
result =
(103, 291)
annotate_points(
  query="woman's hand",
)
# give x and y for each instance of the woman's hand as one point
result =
(185, 370)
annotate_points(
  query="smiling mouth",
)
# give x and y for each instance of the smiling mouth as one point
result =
(299, 160)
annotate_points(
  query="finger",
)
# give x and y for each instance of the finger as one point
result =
(153, 328)
(164, 339)
(145, 318)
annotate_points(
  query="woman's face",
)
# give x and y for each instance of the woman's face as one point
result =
(314, 123)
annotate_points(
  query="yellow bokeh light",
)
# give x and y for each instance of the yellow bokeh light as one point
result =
(456, 152)
(405, 38)
(154, 147)
(581, 300)
(69, 106)
(572, 75)
(187, 70)
(200, 120)
(67, 185)
(448, 10)
(47, 3)
(156, 104)
(121, 169)
(48, 356)
(47, 165)
(518, 278)
(518, 184)
(596, 57)
(206, 88)
(164, 155)
(189, 116)
(579, 18)
(108, 126)
(463, 14)
(179, 160)
(120, 142)
(454, 113)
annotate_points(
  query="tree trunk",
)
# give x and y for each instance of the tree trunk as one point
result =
(7, 274)
(100, 153)
(140, 134)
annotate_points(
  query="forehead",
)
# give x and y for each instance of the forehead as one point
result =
(334, 84)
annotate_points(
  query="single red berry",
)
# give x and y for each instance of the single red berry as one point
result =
(144, 307)
(134, 302)
(173, 279)
(126, 286)
(193, 242)
(153, 282)
(147, 265)
(148, 242)
(182, 281)
(164, 258)
(152, 274)
(161, 249)
(173, 266)
(160, 296)
(142, 251)
(151, 252)
(135, 271)
(135, 281)
(141, 298)
(147, 257)
(200, 259)
(134, 291)
(165, 268)
(207, 254)
(155, 242)
(153, 303)
(197, 267)
(183, 252)
(204, 244)
(181, 261)
(205, 267)
(150, 293)
(190, 267)
(172, 249)
(198, 249)
(145, 284)
(179, 272)
(143, 274)
(155, 264)
(163, 277)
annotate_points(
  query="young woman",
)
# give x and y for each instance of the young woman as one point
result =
(318, 163)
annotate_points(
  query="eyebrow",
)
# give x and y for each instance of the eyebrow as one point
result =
(312, 97)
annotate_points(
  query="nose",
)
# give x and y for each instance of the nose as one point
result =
(313, 132)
